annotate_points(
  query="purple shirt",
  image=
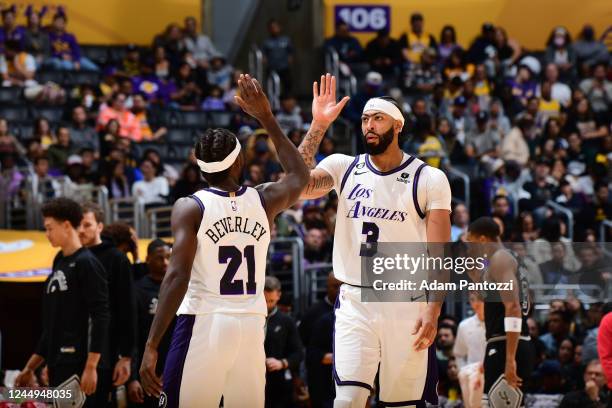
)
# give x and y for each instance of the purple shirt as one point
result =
(64, 44)
(18, 34)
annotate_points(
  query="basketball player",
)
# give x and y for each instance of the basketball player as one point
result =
(383, 196)
(217, 270)
(510, 353)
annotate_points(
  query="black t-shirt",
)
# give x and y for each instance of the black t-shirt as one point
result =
(494, 308)
(75, 293)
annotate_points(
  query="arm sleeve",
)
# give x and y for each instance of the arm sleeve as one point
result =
(295, 352)
(127, 306)
(75, 50)
(96, 293)
(336, 166)
(434, 190)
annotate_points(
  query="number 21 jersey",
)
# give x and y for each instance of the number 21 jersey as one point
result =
(376, 206)
(229, 266)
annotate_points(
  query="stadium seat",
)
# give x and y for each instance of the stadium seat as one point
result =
(14, 113)
(179, 137)
(116, 53)
(11, 95)
(96, 53)
(178, 154)
(220, 119)
(50, 76)
(192, 119)
(51, 113)
(82, 78)
(23, 132)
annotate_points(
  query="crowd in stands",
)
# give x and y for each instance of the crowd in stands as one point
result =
(527, 128)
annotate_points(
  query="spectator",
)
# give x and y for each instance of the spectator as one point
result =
(559, 51)
(117, 268)
(139, 109)
(457, 66)
(541, 189)
(589, 50)
(594, 393)
(448, 42)
(482, 47)
(554, 271)
(523, 86)
(189, 182)
(445, 340)
(598, 209)
(316, 332)
(507, 50)
(598, 89)
(17, 67)
(371, 89)
(514, 144)
(347, 46)
(83, 135)
(214, 101)
(199, 45)
(570, 371)
(461, 121)
(10, 177)
(147, 294)
(558, 329)
(421, 78)
(163, 169)
(172, 42)
(278, 52)
(482, 144)
(75, 309)
(220, 73)
(35, 39)
(327, 147)
(9, 30)
(65, 50)
(532, 272)
(559, 91)
(43, 187)
(384, 54)
(416, 40)
(497, 118)
(130, 64)
(128, 124)
(591, 127)
(547, 106)
(469, 352)
(152, 189)
(161, 65)
(42, 133)
(59, 152)
(315, 250)
(116, 181)
(461, 221)
(289, 117)
(283, 349)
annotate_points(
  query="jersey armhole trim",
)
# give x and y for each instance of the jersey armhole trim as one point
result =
(347, 172)
(199, 202)
(415, 197)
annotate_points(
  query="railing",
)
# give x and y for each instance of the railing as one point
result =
(565, 211)
(128, 210)
(315, 282)
(332, 62)
(466, 184)
(545, 293)
(256, 62)
(274, 90)
(297, 259)
(158, 222)
(605, 224)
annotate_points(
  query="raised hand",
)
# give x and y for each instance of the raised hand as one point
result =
(325, 109)
(251, 98)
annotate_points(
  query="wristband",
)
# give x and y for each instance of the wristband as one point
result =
(513, 324)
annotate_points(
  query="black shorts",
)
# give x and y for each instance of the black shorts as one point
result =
(495, 362)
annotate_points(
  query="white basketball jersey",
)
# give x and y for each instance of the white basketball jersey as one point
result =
(229, 267)
(375, 206)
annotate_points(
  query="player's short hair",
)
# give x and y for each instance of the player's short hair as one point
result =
(485, 226)
(63, 209)
(272, 284)
(156, 243)
(212, 146)
(93, 208)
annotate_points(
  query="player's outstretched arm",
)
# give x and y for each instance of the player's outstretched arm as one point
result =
(324, 111)
(185, 220)
(284, 193)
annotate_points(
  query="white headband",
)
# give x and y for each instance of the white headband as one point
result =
(381, 105)
(215, 167)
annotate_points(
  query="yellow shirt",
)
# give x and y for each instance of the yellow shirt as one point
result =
(431, 151)
(416, 45)
(549, 108)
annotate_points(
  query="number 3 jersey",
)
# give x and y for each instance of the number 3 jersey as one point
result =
(229, 267)
(376, 206)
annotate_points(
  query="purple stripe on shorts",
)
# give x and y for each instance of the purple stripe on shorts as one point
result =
(175, 361)
(430, 392)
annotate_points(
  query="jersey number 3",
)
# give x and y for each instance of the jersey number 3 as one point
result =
(371, 231)
(233, 258)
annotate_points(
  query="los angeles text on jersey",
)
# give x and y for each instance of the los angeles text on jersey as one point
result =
(225, 225)
(434, 285)
(358, 209)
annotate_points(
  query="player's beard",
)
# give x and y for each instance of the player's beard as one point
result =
(384, 140)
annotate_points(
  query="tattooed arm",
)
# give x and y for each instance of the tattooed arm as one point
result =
(324, 111)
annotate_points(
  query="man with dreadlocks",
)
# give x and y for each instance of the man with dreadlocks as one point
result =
(217, 270)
